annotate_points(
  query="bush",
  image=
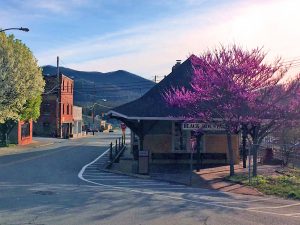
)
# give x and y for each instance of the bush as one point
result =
(260, 180)
(286, 185)
(292, 194)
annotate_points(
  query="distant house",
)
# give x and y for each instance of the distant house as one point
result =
(102, 124)
(21, 134)
(158, 127)
(77, 116)
(56, 119)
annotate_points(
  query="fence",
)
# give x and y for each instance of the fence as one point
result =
(116, 150)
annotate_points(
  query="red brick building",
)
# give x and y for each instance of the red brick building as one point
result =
(66, 106)
(56, 119)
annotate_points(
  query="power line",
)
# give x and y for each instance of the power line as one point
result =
(117, 85)
(112, 88)
(91, 107)
(105, 97)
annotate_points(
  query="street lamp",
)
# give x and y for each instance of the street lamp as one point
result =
(93, 111)
(20, 28)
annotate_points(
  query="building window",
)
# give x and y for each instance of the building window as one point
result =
(180, 138)
(63, 85)
(67, 86)
(68, 109)
(63, 108)
(71, 109)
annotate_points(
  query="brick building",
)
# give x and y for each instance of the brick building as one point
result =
(56, 119)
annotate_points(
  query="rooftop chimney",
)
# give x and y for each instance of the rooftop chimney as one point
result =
(178, 62)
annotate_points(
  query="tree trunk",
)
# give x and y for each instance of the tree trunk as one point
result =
(230, 152)
(254, 151)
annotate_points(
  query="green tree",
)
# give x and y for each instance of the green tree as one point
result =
(21, 83)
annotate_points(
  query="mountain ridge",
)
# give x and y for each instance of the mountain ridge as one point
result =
(115, 87)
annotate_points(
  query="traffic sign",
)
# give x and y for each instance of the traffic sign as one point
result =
(193, 143)
(123, 127)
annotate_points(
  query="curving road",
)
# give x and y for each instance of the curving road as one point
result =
(62, 184)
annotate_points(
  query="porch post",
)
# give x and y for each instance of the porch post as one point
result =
(198, 152)
(143, 158)
(244, 136)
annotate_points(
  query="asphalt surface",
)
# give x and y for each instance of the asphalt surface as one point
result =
(62, 184)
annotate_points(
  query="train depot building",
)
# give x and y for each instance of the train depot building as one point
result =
(161, 132)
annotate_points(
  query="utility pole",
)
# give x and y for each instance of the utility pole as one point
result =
(58, 108)
(93, 118)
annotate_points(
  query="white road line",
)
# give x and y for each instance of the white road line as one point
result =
(107, 176)
(91, 172)
(16, 185)
(95, 160)
(136, 185)
(101, 178)
(294, 214)
(117, 181)
(126, 182)
(101, 173)
(275, 207)
(171, 188)
(180, 198)
(200, 193)
(80, 176)
(239, 201)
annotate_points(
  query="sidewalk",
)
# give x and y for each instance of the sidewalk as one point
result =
(36, 143)
(209, 178)
(126, 164)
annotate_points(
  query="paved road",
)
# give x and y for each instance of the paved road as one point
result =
(44, 187)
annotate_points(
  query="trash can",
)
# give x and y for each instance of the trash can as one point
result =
(143, 167)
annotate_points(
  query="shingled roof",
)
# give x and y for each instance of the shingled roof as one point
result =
(152, 105)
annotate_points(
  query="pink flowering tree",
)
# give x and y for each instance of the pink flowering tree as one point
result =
(236, 87)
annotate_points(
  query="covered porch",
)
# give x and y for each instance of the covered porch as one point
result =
(164, 141)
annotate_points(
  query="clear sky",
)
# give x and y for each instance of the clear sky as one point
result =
(145, 37)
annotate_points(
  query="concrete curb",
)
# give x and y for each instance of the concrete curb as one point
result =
(43, 145)
(172, 181)
(19, 149)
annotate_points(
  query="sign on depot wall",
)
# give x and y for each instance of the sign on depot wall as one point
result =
(202, 126)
